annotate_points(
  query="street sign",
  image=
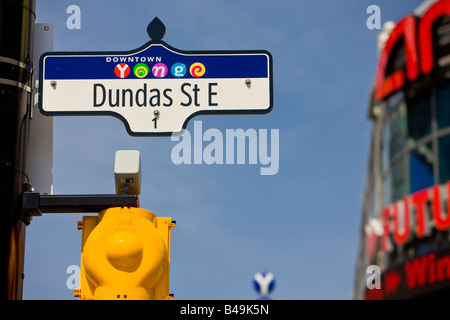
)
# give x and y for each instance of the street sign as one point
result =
(156, 89)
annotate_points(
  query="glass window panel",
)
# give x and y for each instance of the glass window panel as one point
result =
(397, 128)
(374, 210)
(444, 159)
(419, 117)
(387, 190)
(386, 147)
(399, 186)
(443, 106)
(421, 174)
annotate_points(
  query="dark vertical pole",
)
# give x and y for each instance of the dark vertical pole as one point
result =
(17, 19)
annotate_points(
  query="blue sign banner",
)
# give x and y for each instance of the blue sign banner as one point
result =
(156, 61)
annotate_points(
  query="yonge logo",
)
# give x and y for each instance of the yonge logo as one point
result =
(159, 70)
(223, 149)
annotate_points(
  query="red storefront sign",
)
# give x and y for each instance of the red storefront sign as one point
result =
(417, 37)
(415, 277)
(415, 215)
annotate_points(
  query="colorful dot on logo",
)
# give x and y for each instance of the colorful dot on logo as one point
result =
(160, 70)
(141, 70)
(197, 70)
(122, 70)
(178, 70)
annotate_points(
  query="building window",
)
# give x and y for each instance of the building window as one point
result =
(397, 129)
(399, 179)
(421, 174)
(443, 106)
(444, 159)
(419, 118)
(387, 191)
(374, 208)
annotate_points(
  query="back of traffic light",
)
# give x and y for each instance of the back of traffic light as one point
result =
(125, 254)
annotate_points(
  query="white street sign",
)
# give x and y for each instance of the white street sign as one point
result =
(156, 89)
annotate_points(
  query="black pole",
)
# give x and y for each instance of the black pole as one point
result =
(17, 18)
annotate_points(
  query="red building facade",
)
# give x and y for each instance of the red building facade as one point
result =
(406, 210)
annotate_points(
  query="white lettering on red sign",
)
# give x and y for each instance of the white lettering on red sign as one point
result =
(411, 216)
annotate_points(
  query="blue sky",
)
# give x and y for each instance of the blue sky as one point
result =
(303, 223)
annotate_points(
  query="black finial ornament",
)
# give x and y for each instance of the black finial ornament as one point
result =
(156, 30)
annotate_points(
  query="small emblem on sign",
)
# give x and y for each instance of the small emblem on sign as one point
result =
(159, 70)
(122, 70)
(197, 70)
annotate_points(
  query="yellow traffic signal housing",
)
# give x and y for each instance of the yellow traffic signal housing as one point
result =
(125, 254)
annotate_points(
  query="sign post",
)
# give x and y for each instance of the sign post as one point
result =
(156, 89)
(17, 30)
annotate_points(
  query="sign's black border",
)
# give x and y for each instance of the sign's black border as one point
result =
(145, 46)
